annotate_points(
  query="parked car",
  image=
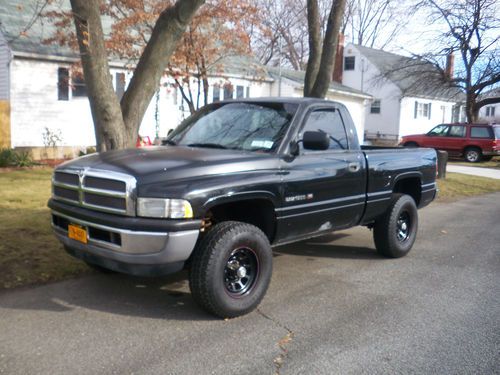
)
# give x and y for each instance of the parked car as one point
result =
(234, 180)
(473, 142)
(143, 141)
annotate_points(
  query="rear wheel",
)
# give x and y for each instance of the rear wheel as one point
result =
(472, 155)
(395, 232)
(231, 269)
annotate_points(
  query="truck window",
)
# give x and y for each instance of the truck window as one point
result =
(330, 122)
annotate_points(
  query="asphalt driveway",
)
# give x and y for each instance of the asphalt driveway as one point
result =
(333, 308)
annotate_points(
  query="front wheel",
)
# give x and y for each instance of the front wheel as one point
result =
(231, 269)
(395, 232)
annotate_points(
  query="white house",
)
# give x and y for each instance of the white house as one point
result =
(41, 97)
(405, 100)
(292, 84)
(491, 112)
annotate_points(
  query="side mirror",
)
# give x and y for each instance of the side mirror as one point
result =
(316, 141)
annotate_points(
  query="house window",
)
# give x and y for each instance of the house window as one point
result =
(216, 94)
(375, 108)
(240, 92)
(490, 111)
(422, 110)
(62, 84)
(120, 84)
(349, 62)
(228, 91)
(79, 88)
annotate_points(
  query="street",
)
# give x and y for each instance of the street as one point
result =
(332, 308)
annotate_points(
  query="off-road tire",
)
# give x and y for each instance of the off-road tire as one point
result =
(208, 275)
(390, 239)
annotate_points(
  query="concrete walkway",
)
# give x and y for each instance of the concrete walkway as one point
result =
(474, 171)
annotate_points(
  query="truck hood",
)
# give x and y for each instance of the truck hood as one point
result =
(153, 164)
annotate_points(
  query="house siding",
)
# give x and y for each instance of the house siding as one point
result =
(441, 112)
(35, 105)
(4, 68)
(365, 77)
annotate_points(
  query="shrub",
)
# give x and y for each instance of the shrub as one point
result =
(23, 159)
(6, 157)
(11, 158)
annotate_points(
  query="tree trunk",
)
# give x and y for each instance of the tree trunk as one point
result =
(117, 123)
(329, 50)
(104, 104)
(166, 33)
(314, 28)
(470, 108)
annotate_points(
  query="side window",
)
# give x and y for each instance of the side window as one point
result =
(330, 122)
(349, 62)
(216, 94)
(62, 84)
(480, 132)
(457, 131)
(439, 131)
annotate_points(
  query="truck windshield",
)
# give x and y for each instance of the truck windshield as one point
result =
(236, 126)
(497, 132)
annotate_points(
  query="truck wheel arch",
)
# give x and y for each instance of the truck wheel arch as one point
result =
(257, 208)
(409, 184)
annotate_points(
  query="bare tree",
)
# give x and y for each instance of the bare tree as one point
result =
(322, 51)
(374, 23)
(472, 31)
(117, 123)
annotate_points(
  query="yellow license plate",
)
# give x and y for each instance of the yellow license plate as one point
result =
(77, 233)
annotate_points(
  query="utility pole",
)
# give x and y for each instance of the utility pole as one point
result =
(279, 74)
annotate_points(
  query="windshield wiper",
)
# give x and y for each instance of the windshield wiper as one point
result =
(208, 145)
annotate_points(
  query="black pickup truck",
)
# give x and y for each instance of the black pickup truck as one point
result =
(232, 181)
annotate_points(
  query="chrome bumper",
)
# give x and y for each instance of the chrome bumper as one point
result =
(125, 246)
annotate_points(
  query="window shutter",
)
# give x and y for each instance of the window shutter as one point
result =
(430, 104)
(416, 109)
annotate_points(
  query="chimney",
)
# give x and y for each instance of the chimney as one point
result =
(339, 60)
(450, 66)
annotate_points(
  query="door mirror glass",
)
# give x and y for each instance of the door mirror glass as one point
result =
(317, 141)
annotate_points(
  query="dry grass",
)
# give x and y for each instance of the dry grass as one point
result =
(457, 186)
(29, 252)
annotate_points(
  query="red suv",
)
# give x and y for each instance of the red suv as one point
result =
(472, 141)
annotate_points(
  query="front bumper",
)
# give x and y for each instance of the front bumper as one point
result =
(147, 247)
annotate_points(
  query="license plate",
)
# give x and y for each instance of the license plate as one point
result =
(77, 233)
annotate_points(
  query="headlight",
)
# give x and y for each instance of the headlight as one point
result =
(164, 208)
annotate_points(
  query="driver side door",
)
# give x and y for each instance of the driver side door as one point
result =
(323, 190)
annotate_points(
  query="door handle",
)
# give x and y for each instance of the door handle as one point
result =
(354, 167)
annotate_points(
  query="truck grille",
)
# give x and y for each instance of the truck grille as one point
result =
(98, 190)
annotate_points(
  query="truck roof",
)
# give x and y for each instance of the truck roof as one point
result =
(295, 100)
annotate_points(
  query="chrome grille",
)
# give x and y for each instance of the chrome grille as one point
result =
(98, 190)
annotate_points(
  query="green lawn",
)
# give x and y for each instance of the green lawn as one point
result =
(29, 252)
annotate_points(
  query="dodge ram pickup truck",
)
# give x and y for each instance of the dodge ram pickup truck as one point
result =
(231, 182)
